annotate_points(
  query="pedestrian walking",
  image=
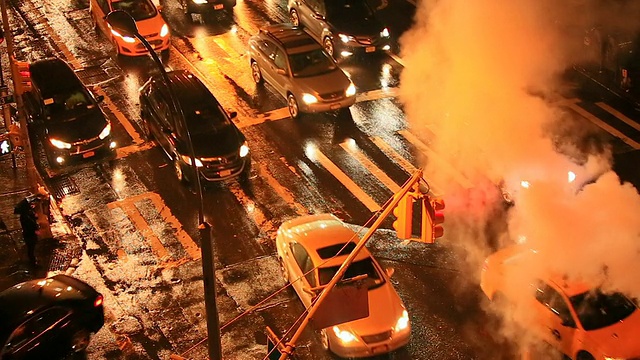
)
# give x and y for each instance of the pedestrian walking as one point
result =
(29, 223)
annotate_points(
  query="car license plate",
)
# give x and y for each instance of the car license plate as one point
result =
(370, 49)
(218, 6)
(224, 173)
(88, 154)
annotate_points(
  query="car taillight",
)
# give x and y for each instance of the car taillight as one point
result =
(98, 301)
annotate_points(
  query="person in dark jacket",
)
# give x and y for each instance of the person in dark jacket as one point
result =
(29, 223)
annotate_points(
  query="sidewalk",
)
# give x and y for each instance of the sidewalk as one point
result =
(54, 255)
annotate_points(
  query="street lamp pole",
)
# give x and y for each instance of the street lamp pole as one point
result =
(123, 23)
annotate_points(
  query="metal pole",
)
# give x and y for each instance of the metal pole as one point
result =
(204, 229)
(290, 346)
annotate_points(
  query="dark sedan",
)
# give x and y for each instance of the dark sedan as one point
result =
(206, 6)
(48, 318)
(221, 151)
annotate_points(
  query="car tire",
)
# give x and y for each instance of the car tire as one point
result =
(185, 10)
(256, 74)
(144, 129)
(80, 341)
(246, 173)
(292, 105)
(583, 355)
(94, 23)
(327, 44)
(294, 18)
(177, 169)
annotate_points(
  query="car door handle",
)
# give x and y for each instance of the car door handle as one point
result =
(556, 334)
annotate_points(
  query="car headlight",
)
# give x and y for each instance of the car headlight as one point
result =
(60, 144)
(187, 159)
(345, 38)
(105, 132)
(309, 99)
(164, 31)
(127, 39)
(344, 335)
(351, 90)
(613, 358)
(199, 2)
(244, 150)
(403, 321)
(384, 32)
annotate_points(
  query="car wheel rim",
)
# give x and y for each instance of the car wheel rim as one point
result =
(293, 106)
(294, 18)
(80, 341)
(324, 339)
(257, 76)
(328, 46)
(178, 170)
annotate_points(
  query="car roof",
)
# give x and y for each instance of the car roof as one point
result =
(292, 38)
(52, 75)
(320, 231)
(188, 88)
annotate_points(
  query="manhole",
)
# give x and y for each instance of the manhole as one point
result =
(63, 186)
(93, 75)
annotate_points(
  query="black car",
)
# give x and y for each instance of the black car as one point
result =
(206, 6)
(343, 27)
(48, 318)
(220, 148)
(64, 115)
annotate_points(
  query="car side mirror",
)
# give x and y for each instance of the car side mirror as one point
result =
(318, 16)
(281, 71)
(390, 271)
(568, 322)
(233, 115)
(159, 7)
(100, 98)
(167, 131)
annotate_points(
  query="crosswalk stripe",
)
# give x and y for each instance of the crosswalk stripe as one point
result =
(346, 181)
(406, 165)
(352, 149)
(610, 129)
(143, 228)
(461, 179)
(619, 115)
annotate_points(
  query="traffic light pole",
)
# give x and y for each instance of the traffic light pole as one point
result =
(290, 346)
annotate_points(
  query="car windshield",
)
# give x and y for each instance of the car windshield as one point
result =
(357, 268)
(311, 63)
(138, 9)
(597, 310)
(72, 100)
(349, 9)
(205, 120)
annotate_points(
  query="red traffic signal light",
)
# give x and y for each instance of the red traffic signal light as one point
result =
(404, 216)
(24, 77)
(432, 219)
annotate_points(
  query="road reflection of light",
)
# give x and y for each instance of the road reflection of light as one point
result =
(234, 29)
(310, 150)
(251, 207)
(351, 144)
(119, 180)
(385, 76)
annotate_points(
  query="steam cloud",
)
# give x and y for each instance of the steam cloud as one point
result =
(480, 85)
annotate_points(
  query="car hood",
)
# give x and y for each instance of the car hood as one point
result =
(621, 339)
(325, 83)
(367, 26)
(385, 308)
(84, 126)
(151, 26)
(219, 143)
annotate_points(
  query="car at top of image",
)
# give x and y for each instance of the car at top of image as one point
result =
(311, 249)
(206, 6)
(579, 321)
(64, 115)
(221, 150)
(343, 27)
(299, 69)
(48, 318)
(151, 25)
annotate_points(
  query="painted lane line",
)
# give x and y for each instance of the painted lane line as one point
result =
(461, 179)
(392, 154)
(144, 229)
(377, 94)
(369, 165)
(397, 58)
(346, 181)
(619, 115)
(610, 129)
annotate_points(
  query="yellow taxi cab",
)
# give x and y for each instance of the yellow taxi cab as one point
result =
(577, 320)
(147, 16)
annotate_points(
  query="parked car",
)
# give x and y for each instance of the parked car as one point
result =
(300, 70)
(64, 115)
(343, 27)
(206, 6)
(311, 248)
(48, 318)
(148, 18)
(581, 322)
(220, 148)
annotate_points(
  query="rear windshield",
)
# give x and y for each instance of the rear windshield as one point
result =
(311, 63)
(138, 9)
(597, 310)
(357, 268)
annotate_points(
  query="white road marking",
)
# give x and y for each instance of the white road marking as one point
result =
(619, 115)
(373, 168)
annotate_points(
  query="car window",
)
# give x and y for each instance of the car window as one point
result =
(161, 108)
(34, 327)
(311, 63)
(357, 268)
(348, 9)
(317, 6)
(267, 48)
(279, 59)
(104, 5)
(138, 9)
(304, 262)
(553, 300)
(596, 309)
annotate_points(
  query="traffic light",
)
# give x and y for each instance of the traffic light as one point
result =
(24, 77)
(404, 213)
(432, 219)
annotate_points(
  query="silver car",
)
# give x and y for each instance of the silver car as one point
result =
(300, 70)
